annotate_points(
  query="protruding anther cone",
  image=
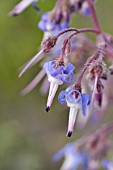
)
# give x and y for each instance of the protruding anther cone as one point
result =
(69, 134)
(47, 109)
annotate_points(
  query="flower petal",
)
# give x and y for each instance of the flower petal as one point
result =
(69, 68)
(59, 155)
(67, 78)
(50, 69)
(85, 103)
(42, 25)
(62, 97)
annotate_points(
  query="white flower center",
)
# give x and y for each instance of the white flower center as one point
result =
(55, 80)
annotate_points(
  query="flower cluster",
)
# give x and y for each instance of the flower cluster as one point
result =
(88, 92)
(89, 152)
(88, 96)
(57, 75)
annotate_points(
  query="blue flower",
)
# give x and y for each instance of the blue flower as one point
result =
(46, 25)
(85, 9)
(57, 75)
(73, 158)
(76, 101)
(64, 73)
(107, 164)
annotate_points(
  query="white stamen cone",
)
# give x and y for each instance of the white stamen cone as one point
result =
(51, 96)
(31, 62)
(20, 7)
(51, 88)
(69, 160)
(72, 118)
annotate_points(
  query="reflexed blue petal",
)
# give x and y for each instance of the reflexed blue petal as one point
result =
(67, 149)
(85, 103)
(59, 155)
(48, 66)
(42, 25)
(69, 68)
(62, 97)
(67, 78)
(55, 72)
(44, 16)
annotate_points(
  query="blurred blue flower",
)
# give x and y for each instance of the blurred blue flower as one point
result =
(76, 101)
(73, 157)
(85, 8)
(107, 164)
(57, 75)
(46, 25)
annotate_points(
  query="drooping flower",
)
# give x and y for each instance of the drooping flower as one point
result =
(20, 7)
(57, 75)
(76, 101)
(73, 157)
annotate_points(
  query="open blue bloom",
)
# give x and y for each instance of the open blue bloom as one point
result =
(108, 165)
(64, 73)
(46, 25)
(76, 101)
(57, 75)
(73, 158)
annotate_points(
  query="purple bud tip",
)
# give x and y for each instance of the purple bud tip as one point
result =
(47, 109)
(69, 134)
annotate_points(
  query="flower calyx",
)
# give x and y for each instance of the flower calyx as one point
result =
(48, 44)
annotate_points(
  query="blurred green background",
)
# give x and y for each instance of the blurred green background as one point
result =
(28, 136)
